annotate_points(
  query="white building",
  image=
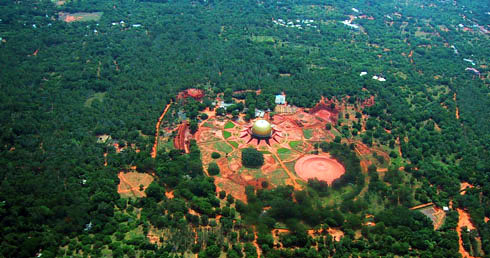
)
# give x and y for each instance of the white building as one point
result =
(280, 99)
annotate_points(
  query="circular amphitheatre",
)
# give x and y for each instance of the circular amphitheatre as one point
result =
(321, 167)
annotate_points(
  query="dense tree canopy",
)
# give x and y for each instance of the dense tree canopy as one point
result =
(65, 86)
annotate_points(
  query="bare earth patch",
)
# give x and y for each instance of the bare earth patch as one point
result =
(74, 17)
(321, 167)
(464, 221)
(130, 184)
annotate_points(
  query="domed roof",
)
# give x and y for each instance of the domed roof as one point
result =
(262, 128)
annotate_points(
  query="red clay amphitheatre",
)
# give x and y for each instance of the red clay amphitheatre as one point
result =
(321, 167)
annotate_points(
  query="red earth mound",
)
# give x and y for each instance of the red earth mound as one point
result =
(192, 93)
(321, 167)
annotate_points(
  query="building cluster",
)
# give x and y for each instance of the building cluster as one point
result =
(299, 24)
(379, 78)
(350, 24)
(123, 24)
(375, 77)
(469, 61)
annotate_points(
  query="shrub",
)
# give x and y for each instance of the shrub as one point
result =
(213, 169)
(252, 158)
(215, 155)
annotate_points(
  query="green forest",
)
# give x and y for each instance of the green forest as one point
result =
(111, 72)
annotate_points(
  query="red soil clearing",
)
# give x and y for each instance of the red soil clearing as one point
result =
(192, 93)
(463, 186)
(153, 238)
(337, 234)
(323, 114)
(129, 184)
(169, 195)
(319, 166)
(180, 141)
(155, 145)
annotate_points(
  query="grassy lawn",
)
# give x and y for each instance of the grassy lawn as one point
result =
(278, 176)
(229, 125)
(283, 150)
(290, 166)
(336, 195)
(308, 133)
(284, 153)
(294, 144)
(223, 147)
(206, 124)
(97, 96)
(166, 145)
(263, 39)
(398, 162)
(226, 134)
(235, 144)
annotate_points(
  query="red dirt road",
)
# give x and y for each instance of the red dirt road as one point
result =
(321, 167)
(291, 176)
(155, 145)
(259, 253)
(464, 221)
(457, 109)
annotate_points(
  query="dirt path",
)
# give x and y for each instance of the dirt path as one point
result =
(457, 109)
(410, 56)
(291, 176)
(399, 147)
(98, 69)
(464, 221)
(259, 252)
(157, 133)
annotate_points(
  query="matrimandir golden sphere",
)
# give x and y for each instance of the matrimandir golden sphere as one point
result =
(262, 128)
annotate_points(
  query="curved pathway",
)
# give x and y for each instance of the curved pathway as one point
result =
(157, 133)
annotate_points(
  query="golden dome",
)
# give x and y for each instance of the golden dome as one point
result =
(262, 128)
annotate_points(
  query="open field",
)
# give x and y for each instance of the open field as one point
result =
(79, 17)
(133, 184)
(97, 96)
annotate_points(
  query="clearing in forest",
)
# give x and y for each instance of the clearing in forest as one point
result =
(97, 96)
(297, 132)
(289, 159)
(133, 184)
(79, 17)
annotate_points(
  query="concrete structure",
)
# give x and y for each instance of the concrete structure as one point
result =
(259, 113)
(280, 99)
